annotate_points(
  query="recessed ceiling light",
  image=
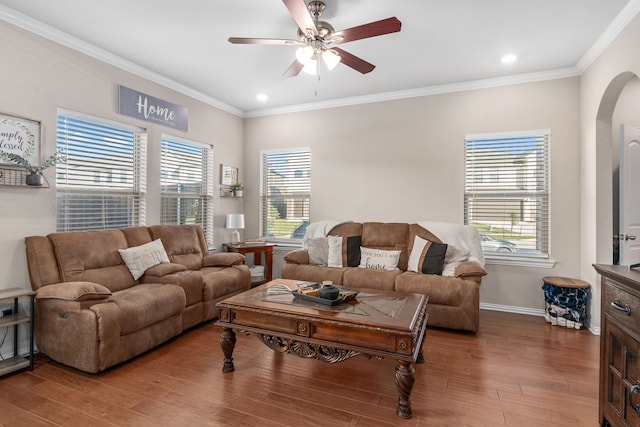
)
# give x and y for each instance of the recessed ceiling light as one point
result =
(262, 97)
(509, 58)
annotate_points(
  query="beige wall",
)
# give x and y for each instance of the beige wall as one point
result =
(404, 161)
(37, 77)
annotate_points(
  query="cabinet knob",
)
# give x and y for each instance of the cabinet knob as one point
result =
(632, 391)
(618, 306)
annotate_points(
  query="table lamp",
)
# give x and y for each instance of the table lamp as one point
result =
(235, 221)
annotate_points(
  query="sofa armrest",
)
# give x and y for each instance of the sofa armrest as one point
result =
(184, 278)
(470, 269)
(74, 291)
(164, 269)
(223, 259)
(298, 256)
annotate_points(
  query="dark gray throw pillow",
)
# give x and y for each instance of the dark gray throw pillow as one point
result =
(434, 258)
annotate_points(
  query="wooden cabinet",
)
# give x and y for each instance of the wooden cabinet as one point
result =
(619, 403)
(14, 320)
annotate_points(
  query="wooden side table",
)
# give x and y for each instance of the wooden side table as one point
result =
(256, 249)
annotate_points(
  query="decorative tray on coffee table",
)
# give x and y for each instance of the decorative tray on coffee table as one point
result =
(344, 296)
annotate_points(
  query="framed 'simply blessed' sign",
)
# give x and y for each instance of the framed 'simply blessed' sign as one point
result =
(20, 136)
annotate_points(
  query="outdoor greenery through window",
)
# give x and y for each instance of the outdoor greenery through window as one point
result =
(186, 180)
(507, 192)
(285, 194)
(102, 184)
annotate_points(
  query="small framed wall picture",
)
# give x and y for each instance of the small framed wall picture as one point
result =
(228, 175)
(20, 136)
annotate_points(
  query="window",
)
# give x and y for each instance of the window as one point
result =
(507, 192)
(186, 181)
(285, 194)
(97, 151)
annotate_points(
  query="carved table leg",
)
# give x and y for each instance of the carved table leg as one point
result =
(404, 383)
(227, 342)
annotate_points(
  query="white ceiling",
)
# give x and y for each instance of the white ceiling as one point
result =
(443, 44)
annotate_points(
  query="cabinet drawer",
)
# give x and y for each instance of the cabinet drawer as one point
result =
(622, 299)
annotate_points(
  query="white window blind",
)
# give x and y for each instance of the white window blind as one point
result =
(285, 194)
(103, 183)
(186, 180)
(507, 192)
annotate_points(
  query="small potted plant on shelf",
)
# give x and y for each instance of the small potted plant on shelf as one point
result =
(237, 189)
(35, 172)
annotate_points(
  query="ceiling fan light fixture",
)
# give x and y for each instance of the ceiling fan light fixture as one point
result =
(331, 58)
(304, 54)
(311, 67)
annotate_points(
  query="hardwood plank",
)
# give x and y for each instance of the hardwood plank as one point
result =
(516, 371)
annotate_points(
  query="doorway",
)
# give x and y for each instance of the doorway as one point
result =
(625, 111)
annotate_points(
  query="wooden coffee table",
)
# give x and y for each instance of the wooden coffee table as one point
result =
(376, 323)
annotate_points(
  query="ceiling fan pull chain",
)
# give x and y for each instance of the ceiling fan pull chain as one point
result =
(317, 81)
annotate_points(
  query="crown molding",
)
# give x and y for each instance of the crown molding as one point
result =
(608, 36)
(40, 28)
(419, 92)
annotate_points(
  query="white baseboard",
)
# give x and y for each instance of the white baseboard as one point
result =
(526, 310)
(512, 309)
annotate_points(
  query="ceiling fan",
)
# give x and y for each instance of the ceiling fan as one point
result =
(316, 39)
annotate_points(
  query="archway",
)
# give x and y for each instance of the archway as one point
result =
(606, 191)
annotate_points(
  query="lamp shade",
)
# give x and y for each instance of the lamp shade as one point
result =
(304, 54)
(235, 221)
(331, 58)
(311, 67)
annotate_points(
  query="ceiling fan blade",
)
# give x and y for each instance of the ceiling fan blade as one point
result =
(372, 29)
(354, 62)
(294, 69)
(300, 13)
(247, 40)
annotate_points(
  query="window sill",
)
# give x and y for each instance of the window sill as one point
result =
(516, 261)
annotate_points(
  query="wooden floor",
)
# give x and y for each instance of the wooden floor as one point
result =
(517, 371)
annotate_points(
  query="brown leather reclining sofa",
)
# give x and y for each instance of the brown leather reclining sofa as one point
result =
(90, 312)
(454, 301)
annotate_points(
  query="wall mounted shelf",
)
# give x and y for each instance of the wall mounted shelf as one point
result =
(12, 177)
(227, 191)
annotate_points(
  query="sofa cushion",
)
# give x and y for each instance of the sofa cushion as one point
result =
(344, 251)
(334, 258)
(368, 278)
(454, 257)
(92, 256)
(441, 289)
(318, 249)
(220, 281)
(313, 273)
(145, 304)
(378, 259)
(184, 243)
(140, 258)
(387, 236)
(351, 251)
(426, 257)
